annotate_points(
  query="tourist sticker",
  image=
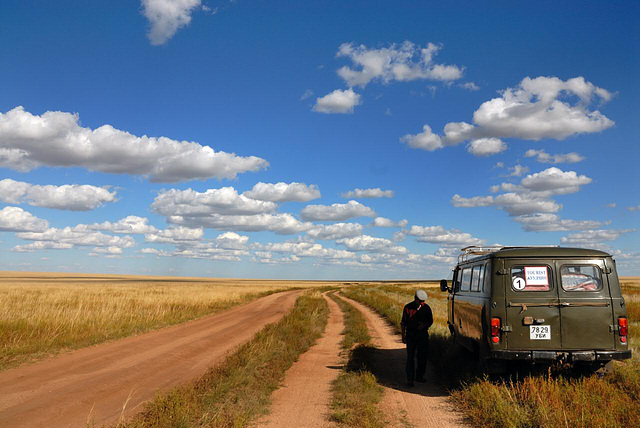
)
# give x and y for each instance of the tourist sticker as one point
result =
(536, 275)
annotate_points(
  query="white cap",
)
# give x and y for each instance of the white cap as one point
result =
(421, 294)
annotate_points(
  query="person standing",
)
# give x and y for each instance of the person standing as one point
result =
(416, 320)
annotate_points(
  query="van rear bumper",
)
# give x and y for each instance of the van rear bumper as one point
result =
(570, 356)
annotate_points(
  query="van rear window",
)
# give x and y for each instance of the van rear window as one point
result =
(531, 278)
(581, 278)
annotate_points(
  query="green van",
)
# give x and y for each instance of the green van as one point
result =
(539, 305)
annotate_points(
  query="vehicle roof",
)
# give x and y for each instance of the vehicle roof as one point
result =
(540, 252)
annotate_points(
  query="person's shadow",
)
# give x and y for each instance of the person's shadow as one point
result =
(388, 366)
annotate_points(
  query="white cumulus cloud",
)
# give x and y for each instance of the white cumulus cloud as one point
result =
(307, 249)
(542, 107)
(15, 219)
(593, 237)
(283, 192)
(56, 139)
(166, 17)
(531, 196)
(372, 244)
(368, 193)
(470, 86)
(426, 140)
(404, 62)
(281, 224)
(109, 252)
(545, 222)
(174, 235)
(78, 236)
(223, 201)
(544, 157)
(486, 146)
(338, 101)
(231, 241)
(518, 170)
(41, 245)
(336, 212)
(385, 222)
(73, 197)
(130, 224)
(513, 203)
(335, 231)
(441, 236)
(555, 180)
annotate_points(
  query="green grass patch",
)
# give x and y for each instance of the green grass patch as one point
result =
(237, 391)
(355, 327)
(356, 392)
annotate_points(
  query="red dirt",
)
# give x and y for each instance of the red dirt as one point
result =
(425, 404)
(304, 399)
(103, 383)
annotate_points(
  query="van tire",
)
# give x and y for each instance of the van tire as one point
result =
(487, 365)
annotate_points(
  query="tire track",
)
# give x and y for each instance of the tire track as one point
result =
(425, 404)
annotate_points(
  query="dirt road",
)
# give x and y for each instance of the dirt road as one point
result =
(95, 384)
(425, 404)
(304, 399)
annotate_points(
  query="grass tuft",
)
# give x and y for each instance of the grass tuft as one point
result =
(356, 392)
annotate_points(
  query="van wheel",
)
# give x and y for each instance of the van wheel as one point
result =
(486, 365)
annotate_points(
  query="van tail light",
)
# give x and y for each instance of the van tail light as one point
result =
(495, 330)
(623, 329)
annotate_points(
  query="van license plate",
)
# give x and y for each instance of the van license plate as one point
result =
(540, 332)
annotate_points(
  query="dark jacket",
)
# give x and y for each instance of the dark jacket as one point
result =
(417, 317)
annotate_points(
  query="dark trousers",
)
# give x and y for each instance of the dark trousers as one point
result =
(417, 343)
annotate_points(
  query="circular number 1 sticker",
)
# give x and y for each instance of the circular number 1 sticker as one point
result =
(519, 283)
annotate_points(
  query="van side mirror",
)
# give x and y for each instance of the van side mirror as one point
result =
(443, 285)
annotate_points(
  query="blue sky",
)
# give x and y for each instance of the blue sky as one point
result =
(315, 140)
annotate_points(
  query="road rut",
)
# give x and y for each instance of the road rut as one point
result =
(112, 380)
(425, 404)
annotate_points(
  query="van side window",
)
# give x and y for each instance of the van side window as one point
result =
(531, 278)
(581, 278)
(476, 278)
(487, 278)
(466, 280)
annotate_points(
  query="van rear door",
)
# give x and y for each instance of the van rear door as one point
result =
(586, 308)
(533, 311)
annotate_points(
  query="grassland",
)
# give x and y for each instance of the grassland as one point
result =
(45, 313)
(237, 391)
(549, 400)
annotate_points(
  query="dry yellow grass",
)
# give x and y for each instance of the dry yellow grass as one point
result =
(43, 313)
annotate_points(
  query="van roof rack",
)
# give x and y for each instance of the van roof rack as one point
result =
(472, 251)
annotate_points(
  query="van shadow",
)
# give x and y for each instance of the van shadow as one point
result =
(388, 366)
